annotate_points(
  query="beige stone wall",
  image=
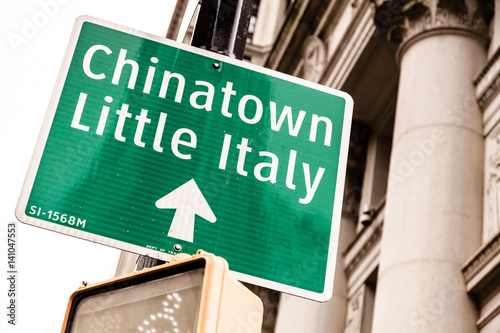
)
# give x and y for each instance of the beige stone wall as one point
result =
(492, 184)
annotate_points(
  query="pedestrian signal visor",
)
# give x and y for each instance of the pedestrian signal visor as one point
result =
(195, 294)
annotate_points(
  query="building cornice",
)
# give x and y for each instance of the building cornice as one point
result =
(486, 255)
(286, 33)
(482, 258)
(487, 82)
(482, 275)
(490, 315)
(348, 51)
(364, 242)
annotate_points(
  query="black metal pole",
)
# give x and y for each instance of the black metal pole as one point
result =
(221, 27)
(145, 262)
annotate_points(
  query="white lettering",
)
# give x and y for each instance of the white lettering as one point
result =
(228, 92)
(225, 152)
(181, 82)
(314, 128)
(244, 149)
(87, 59)
(273, 167)
(242, 108)
(209, 96)
(119, 68)
(149, 78)
(78, 113)
(104, 116)
(311, 190)
(122, 116)
(286, 113)
(176, 141)
(141, 121)
(291, 170)
(159, 132)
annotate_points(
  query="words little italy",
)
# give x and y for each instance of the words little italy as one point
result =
(152, 78)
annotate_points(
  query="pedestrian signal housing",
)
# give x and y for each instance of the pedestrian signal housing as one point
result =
(189, 295)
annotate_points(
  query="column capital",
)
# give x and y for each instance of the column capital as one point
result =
(406, 19)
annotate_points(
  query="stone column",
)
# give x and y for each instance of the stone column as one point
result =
(434, 201)
(297, 315)
(495, 42)
(269, 17)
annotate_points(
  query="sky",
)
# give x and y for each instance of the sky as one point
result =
(50, 266)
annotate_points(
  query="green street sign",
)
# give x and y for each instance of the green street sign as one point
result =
(155, 147)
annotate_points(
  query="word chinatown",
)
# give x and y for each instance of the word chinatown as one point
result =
(202, 98)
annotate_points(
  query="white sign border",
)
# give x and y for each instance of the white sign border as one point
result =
(51, 110)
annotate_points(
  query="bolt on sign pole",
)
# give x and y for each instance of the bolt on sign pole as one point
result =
(221, 27)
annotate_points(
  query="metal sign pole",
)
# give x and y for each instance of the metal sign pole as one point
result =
(221, 27)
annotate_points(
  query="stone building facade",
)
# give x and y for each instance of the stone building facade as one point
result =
(421, 252)
(420, 233)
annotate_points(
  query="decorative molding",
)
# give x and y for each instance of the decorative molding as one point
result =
(487, 82)
(482, 259)
(489, 293)
(412, 17)
(484, 72)
(491, 189)
(350, 47)
(257, 53)
(354, 315)
(486, 319)
(363, 243)
(482, 272)
(490, 93)
(286, 34)
(313, 58)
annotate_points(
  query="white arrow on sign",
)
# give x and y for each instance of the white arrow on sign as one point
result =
(188, 202)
